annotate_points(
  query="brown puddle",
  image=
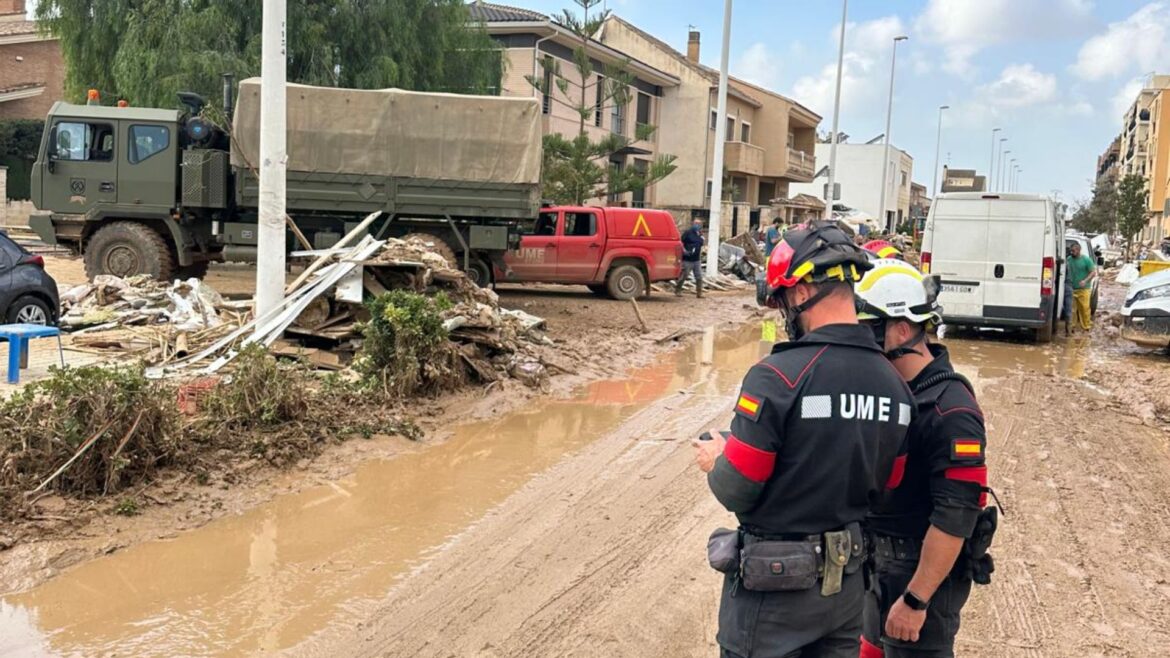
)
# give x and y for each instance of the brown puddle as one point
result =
(984, 359)
(268, 579)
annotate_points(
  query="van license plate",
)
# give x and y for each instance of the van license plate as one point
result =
(951, 287)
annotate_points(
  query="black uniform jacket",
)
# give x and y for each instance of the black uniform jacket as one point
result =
(945, 467)
(817, 434)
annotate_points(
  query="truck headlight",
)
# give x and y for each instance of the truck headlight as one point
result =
(1153, 293)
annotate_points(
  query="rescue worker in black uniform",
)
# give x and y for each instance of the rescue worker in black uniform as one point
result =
(817, 429)
(922, 528)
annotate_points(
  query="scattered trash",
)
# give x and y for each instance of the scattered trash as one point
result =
(1128, 274)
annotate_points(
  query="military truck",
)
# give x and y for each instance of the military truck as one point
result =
(166, 192)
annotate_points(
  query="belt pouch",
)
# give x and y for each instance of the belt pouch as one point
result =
(723, 550)
(779, 566)
(838, 549)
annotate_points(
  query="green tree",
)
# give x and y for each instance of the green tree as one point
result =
(146, 50)
(19, 141)
(579, 169)
(1099, 214)
(1131, 208)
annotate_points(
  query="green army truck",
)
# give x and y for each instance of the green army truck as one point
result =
(166, 192)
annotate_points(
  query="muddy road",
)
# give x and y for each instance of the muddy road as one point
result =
(577, 527)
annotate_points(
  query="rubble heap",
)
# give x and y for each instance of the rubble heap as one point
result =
(109, 300)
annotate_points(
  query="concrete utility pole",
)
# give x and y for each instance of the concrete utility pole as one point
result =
(886, 151)
(937, 148)
(1003, 167)
(836, 115)
(720, 146)
(998, 163)
(270, 234)
(989, 179)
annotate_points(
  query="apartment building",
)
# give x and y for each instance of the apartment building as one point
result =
(1109, 163)
(529, 38)
(769, 145)
(32, 72)
(1144, 150)
(859, 173)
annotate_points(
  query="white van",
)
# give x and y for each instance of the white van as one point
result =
(997, 255)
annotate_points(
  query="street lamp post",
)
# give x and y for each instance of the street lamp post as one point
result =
(270, 231)
(937, 149)
(1003, 157)
(989, 180)
(836, 115)
(998, 163)
(720, 145)
(886, 151)
(1010, 175)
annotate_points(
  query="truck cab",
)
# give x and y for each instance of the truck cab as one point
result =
(614, 251)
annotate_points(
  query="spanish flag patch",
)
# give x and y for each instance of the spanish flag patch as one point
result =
(962, 449)
(749, 406)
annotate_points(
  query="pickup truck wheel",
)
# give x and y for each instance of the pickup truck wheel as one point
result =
(479, 272)
(625, 282)
(125, 249)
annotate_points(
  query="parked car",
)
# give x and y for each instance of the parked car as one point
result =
(997, 255)
(1074, 237)
(28, 295)
(614, 251)
(1146, 312)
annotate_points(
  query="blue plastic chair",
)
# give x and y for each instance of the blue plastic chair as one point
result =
(18, 336)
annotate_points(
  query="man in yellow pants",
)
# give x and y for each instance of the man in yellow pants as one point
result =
(1081, 271)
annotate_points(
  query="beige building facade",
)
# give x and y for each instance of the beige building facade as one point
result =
(534, 46)
(1144, 150)
(770, 138)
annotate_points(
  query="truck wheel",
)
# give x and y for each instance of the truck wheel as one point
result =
(125, 249)
(439, 245)
(1044, 334)
(625, 282)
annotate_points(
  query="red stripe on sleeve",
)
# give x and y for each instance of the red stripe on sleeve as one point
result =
(751, 462)
(976, 474)
(897, 472)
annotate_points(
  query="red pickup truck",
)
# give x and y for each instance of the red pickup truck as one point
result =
(615, 251)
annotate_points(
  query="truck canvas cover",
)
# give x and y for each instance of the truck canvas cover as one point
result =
(396, 133)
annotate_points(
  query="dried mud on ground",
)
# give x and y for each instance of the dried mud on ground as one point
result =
(596, 339)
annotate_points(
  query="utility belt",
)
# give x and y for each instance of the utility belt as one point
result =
(974, 562)
(787, 563)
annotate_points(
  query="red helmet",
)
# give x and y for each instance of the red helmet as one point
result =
(882, 249)
(813, 253)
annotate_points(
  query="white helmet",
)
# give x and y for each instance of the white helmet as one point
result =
(894, 289)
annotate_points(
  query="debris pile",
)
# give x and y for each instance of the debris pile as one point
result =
(111, 301)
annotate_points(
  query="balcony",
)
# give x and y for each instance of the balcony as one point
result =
(744, 158)
(801, 164)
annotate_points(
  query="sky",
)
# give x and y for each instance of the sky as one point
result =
(1055, 75)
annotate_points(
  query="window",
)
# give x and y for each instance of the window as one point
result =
(85, 141)
(597, 103)
(730, 136)
(547, 85)
(146, 141)
(580, 224)
(546, 224)
(639, 194)
(745, 131)
(905, 178)
(709, 184)
(714, 119)
(617, 123)
(643, 116)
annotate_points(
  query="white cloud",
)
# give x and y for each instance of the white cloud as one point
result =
(868, 47)
(1019, 85)
(1136, 44)
(758, 65)
(964, 27)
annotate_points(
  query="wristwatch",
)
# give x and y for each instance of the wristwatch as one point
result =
(914, 602)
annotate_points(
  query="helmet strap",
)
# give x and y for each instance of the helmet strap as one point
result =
(907, 348)
(792, 312)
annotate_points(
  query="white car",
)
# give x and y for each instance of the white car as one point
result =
(1146, 313)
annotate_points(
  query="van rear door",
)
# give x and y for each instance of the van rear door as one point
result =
(958, 250)
(1016, 234)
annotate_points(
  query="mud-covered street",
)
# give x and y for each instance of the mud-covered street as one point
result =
(573, 525)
